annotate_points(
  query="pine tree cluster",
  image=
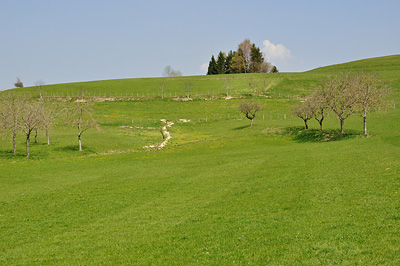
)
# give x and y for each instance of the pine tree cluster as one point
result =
(247, 59)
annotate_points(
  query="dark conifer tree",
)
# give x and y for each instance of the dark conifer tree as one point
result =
(256, 59)
(221, 63)
(228, 62)
(212, 67)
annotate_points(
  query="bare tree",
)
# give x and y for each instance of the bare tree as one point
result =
(319, 106)
(80, 114)
(30, 119)
(371, 95)
(305, 111)
(340, 95)
(10, 108)
(253, 85)
(49, 111)
(39, 86)
(227, 85)
(170, 72)
(18, 83)
(245, 47)
(250, 108)
(188, 85)
(162, 87)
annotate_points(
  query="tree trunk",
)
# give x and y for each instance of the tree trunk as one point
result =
(342, 126)
(15, 141)
(35, 135)
(27, 145)
(80, 142)
(320, 123)
(251, 122)
(305, 122)
(365, 125)
(47, 136)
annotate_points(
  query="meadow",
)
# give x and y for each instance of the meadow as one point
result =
(220, 192)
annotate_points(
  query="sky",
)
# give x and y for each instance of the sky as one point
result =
(58, 41)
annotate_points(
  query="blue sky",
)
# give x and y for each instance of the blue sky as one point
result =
(60, 41)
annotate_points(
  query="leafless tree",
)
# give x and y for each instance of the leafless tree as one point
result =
(39, 86)
(340, 95)
(49, 111)
(30, 119)
(80, 114)
(253, 85)
(170, 72)
(188, 85)
(250, 108)
(318, 105)
(10, 108)
(371, 95)
(227, 85)
(305, 111)
(18, 83)
(245, 47)
(162, 87)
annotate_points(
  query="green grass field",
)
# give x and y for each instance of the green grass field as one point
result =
(220, 192)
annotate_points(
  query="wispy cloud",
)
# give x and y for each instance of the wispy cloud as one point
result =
(203, 68)
(276, 53)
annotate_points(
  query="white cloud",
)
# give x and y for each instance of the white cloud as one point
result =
(276, 53)
(204, 68)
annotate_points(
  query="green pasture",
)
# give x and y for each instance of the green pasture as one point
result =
(220, 192)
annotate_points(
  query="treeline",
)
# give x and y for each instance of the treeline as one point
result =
(27, 115)
(344, 95)
(248, 58)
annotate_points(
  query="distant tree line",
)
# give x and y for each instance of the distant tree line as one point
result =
(344, 94)
(248, 58)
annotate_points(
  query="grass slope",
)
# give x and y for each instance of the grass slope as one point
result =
(219, 193)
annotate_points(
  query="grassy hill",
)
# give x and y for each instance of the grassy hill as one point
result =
(219, 193)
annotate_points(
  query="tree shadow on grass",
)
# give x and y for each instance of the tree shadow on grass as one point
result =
(242, 127)
(300, 134)
(73, 148)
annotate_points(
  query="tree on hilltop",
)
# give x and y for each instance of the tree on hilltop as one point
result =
(221, 63)
(248, 58)
(212, 67)
(170, 72)
(18, 83)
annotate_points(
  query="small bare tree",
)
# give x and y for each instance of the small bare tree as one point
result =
(227, 85)
(305, 111)
(162, 87)
(39, 86)
(253, 85)
(30, 119)
(80, 114)
(319, 107)
(188, 85)
(18, 83)
(49, 111)
(10, 108)
(250, 108)
(170, 72)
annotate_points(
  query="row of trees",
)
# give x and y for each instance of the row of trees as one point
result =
(247, 59)
(344, 94)
(27, 115)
